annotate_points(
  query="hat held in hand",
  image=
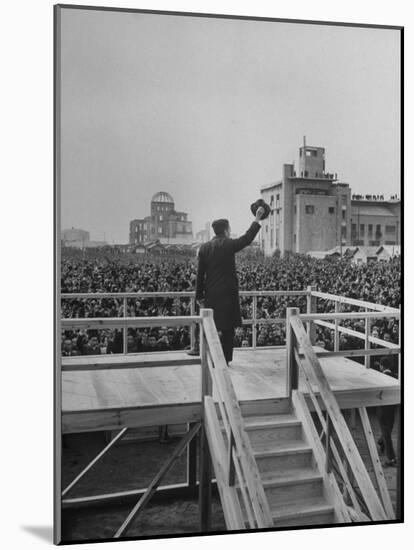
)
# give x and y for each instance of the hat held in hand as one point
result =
(257, 204)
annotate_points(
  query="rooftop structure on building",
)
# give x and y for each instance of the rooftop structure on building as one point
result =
(310, 208)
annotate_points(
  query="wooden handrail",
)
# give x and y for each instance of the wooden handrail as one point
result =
(350, 315)
(173, 294)
(352, 301)
(356, 334)
(241, 441)
(313, 368)
(121, 322)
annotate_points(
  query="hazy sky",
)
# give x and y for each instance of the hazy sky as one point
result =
(210, 109)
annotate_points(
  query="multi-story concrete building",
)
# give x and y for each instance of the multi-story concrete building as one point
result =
(164, 224)
(75, 237)
(79, 238)
(375, 221)
(310, 209)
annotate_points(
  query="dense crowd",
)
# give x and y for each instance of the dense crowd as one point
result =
(375, 282)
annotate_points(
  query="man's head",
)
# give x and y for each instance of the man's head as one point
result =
(93, 342)
(221, 227)
(152, 341)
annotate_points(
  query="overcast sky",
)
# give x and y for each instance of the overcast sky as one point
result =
(210, 109)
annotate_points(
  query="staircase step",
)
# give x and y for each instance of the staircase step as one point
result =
(310, 511)
(293, 488)
(270, 432)
(269, 419)
(285, 455)
(288, 474)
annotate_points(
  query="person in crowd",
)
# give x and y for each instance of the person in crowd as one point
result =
(68, 349)
(93, 347)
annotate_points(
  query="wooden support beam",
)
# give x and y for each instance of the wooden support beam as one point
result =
(143, 501)
(94, 461)
(205, 465)
(376, 463)
(192, 460)
(229, 498)
(163, 493)
(292, 375)
(311, 308)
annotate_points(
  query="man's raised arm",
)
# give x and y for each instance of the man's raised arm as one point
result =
(248, 237)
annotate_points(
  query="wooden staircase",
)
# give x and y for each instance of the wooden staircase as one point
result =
(294, 487)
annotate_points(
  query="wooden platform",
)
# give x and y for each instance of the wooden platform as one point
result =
(110, 392)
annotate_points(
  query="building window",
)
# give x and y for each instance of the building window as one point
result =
(378, 233)
(362, 229)
(277, 198)
(161, 218)
(390, 229)
(160, 230)
(344, 198)
(267, 229)
(370, 230)
(353, 230)
(271, 199)
(309, 209)
(343, 231)
(294, 209)
(331, 210)
(294, 239)
(390, 242)
(343, 214)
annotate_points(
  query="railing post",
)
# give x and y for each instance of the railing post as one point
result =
(230, 460)
(125, 329)
(205, 466)
(399, 345)
(328, 444)
(367, 360)
(336, 331)
(292, 373)
(311, 308)
(254, 323)
(192, 327)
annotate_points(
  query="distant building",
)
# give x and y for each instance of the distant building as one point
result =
(203, 235)
(75, 237)
(79, 238)
(375, 221)
(310, 210)
(164, 224)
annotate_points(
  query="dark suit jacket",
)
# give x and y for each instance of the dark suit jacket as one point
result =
(217, 282)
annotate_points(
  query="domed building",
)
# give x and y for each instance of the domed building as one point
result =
(164, 223)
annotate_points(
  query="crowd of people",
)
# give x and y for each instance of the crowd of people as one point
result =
(375, 282)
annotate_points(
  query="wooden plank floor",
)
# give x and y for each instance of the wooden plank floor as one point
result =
(256, 375)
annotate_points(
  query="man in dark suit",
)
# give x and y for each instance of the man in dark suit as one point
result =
(217, 285)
